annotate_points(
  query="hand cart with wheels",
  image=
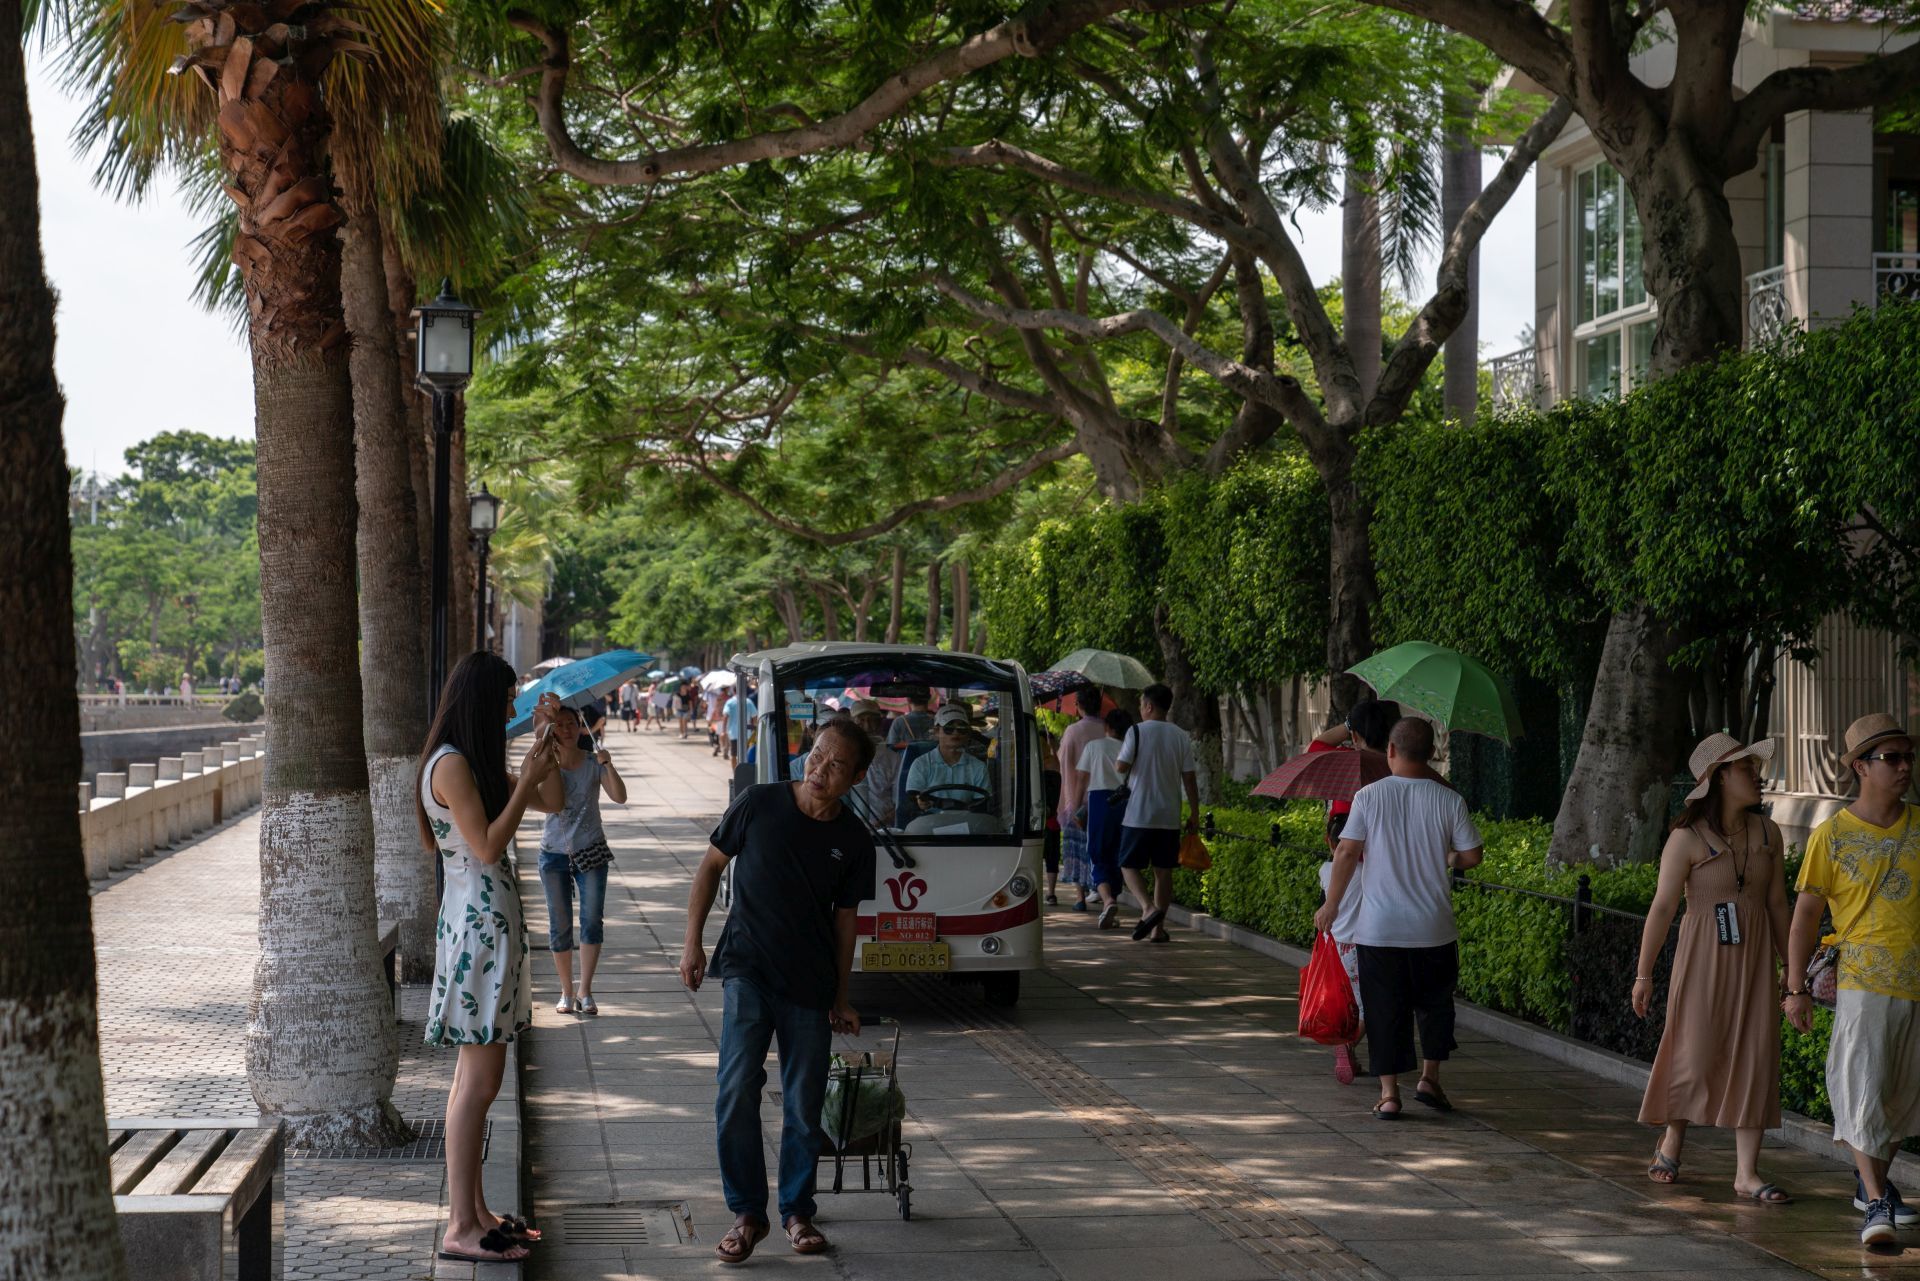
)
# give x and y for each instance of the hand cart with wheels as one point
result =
(863, 1117)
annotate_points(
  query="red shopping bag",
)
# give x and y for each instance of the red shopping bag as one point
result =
(1328, 1012)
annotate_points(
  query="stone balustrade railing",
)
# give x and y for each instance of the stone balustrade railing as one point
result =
(126, 817)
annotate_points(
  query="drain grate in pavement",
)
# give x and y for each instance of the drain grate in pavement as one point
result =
(631, 1224)
(429, 1144)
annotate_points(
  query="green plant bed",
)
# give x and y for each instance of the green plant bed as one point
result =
(1517, 953)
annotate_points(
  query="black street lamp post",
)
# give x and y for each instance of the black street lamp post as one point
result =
(483, 517)
(443, 363)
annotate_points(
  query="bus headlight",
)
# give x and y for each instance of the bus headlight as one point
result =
(1019, 887)
(991, 945)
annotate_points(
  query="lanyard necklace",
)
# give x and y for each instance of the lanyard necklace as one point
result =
(1745, 856)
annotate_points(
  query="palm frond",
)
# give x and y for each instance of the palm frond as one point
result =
(388, 116)
(473, 221)
(1410, 205)
(139, 118)
(143, 121)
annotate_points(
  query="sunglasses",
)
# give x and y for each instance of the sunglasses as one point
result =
(1891, 758)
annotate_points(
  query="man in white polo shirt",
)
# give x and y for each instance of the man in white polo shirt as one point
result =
(949, 777)
(1413, 832)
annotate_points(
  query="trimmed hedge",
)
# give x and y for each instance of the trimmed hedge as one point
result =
(1517, 953)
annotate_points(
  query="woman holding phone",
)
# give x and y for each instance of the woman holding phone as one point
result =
(469, 807)
(574, 854)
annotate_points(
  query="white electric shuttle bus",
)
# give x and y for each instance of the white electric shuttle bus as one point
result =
(958, 873)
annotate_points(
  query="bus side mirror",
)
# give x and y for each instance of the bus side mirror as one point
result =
(742, 780)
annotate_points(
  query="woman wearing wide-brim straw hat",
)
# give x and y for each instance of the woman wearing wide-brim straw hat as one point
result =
(1719, 1059)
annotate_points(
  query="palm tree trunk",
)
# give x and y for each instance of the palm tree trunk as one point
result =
(401, 295)
(58, 1221)
(1459, 187)
(393, 664)
(321, 1048)
(1360, 276)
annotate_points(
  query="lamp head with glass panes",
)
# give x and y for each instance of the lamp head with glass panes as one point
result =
(443, 341)
(483, 512)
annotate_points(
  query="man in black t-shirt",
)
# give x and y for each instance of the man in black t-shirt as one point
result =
(803, 863)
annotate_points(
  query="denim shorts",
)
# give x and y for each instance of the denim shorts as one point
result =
(561, 882)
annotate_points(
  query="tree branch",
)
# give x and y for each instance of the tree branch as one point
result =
(1255, 424)
(997, 154)
(1818, 89)
(1029, 35)
(1514, 30)
(979, 384)
(1444, 310)
(1277, 390)
(999, 485)
(1332, 362)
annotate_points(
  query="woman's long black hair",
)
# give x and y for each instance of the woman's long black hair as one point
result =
(477, 690)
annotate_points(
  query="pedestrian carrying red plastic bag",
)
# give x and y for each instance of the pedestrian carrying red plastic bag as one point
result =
(1328, 1012)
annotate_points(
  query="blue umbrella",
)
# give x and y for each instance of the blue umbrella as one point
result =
(577, 684)
(656, 674)
(689, 673)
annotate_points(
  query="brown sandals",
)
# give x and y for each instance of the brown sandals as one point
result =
(804, 1237)
(737, 1245)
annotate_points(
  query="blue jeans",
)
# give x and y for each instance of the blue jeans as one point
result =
(559, 880)
(754, 1018)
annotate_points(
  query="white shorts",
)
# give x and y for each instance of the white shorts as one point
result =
(1873, 1070)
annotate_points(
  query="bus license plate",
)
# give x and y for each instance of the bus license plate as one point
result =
(894, 958)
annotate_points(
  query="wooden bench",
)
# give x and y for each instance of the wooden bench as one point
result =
(389, 961)
(199, 1200)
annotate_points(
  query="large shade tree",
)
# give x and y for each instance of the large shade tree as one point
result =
(1676, 145)
(1093, 245)
(56, 1219)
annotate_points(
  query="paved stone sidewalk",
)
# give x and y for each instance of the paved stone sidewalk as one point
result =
(176, 942)
(1145, 1112)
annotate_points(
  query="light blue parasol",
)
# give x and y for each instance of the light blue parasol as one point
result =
(577, 684)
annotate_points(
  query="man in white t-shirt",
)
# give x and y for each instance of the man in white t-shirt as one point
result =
(1413, 832)
(1157, 760)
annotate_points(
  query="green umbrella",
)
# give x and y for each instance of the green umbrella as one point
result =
(1104, 667)
(1445, 684)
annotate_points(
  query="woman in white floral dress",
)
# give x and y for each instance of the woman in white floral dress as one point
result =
(482, 988)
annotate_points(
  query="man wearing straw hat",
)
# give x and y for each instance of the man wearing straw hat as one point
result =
(1863, 863)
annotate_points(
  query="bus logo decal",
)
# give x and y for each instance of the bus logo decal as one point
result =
(907, 889)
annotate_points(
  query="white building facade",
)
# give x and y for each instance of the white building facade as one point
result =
(1828, 221)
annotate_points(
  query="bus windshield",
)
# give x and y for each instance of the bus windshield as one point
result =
(946, 742)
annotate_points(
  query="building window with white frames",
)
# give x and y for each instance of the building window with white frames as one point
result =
(1613, 316)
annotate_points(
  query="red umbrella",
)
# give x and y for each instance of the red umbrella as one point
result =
(1326, 776)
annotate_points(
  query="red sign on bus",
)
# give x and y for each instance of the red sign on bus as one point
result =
(906, 927)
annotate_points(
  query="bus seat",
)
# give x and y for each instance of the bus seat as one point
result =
(913, 752)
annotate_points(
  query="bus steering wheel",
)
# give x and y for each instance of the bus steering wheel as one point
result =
(977, 802)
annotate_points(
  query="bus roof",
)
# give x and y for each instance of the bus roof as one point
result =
(804, 651)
